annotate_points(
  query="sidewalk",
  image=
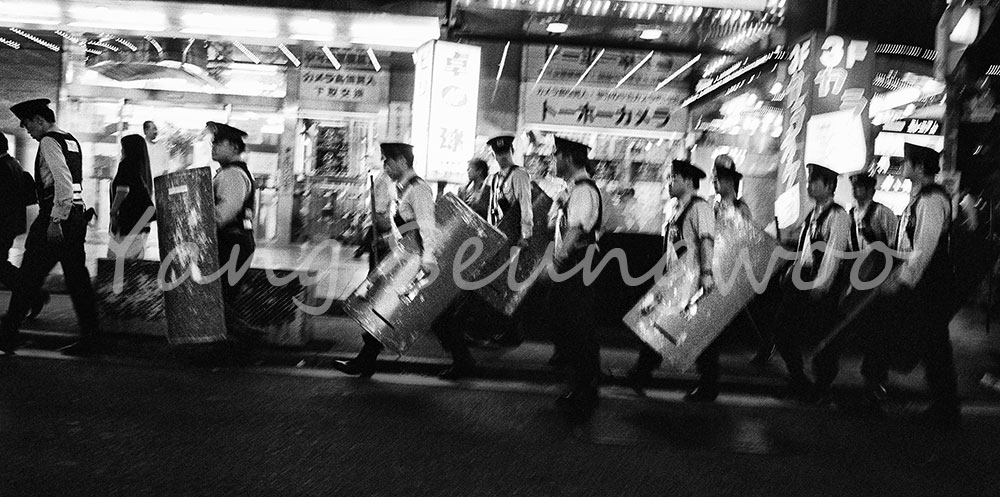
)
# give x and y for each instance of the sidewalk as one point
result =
(339, 338)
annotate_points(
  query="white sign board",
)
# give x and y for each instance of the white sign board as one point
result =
(836, 140)
(445, 109)
(343, 85)
(592, 107)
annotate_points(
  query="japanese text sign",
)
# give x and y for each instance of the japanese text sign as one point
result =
(345, 85)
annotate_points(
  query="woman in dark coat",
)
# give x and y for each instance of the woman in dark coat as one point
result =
(130, 198)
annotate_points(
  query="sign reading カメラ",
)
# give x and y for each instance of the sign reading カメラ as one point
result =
(345, 85)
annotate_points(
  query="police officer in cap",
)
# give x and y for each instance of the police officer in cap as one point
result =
(235, 201)
(690, 234)
(510, 188)
(727, 184)
(59, 231)
(576, 219)
(810, 306)
(872, 221)
(919, 304)
(414, 205)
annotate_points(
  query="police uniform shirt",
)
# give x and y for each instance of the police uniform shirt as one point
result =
(582, 209)
(883, 223)
(514, 186)
(231, 190)
(385, 194)
(723, 208)
(932, 213)
(53, 171)
(417, 203)
(836, 230)
(698, 224)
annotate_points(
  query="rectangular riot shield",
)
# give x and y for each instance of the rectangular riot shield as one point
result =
(499, 293)
(397, 302)
(679, 323)
(189, 249)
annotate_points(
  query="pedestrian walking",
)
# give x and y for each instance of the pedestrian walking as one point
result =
(476, 193)
(17, 193)
(131, 199)
(58, 233)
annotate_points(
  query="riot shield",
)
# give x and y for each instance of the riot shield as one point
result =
(499, 293)
(397, 302)
(185, 213)
(676, 320)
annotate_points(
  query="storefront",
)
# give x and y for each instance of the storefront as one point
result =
(313, 89)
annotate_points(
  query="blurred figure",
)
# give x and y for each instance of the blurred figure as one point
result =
(17, 192)
(131, 197)
(475, 193)
(726, 181)
(872, 221)
(159, 155)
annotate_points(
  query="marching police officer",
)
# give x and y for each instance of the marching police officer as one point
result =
(414, 203)
(510, 187)
(576, 219)
(235, 201)
(872, 221)
(810, 306)
(59, 231)
(690, 233)
(727, 183)
(920, 303)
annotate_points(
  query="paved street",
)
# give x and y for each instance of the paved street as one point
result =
(125, 427)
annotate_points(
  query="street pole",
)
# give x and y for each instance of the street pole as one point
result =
(831, 15)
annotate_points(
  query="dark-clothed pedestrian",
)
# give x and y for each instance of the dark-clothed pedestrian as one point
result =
(690, 235)
(576, 219)
(235, 204)
(17, 192)
(414, 203)
(58, 233)
(131, 198)
(808, 307)
(919, 304)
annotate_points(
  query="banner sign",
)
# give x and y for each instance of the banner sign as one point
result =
(604, 107)
(344, 85)
(445, 109)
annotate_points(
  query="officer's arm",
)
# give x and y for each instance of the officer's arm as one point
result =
(932, 211)
(423, 209)
(62, 180)
(581, 215)
(521, 183)
(888, 222)
(231, 190)
(704, 229)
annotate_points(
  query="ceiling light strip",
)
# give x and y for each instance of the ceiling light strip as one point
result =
(71, 38)
(10, 43)
(288, 53)
(246, 51)
(634, 69)
(104, 45)
(152, 41)
(677, 73)
(127, 44)
(331, 57)
(589, 68)
(46, 44)
(374, 59)
(545, 66)
(503, 61)
(776, 54)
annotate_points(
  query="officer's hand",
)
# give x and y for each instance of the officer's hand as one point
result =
(707, 283)
(54, 233)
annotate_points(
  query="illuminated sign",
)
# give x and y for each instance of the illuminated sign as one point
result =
(345, 85)
(445, 109)
(792, 148)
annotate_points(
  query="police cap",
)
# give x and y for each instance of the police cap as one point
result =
(30, 108)
(824, 173)
(502, 143)
(725, 168)
(572, 148)
(226, 132)
(925, 157)
(686, 169)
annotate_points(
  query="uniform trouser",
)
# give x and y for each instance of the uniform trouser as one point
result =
(448, 329)
(801, 320)
(40, 256)
(914, 328)
(232, 289)
(574, 335)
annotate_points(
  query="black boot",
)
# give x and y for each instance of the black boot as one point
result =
(43, 299)
(702, 394)
(364, 364)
